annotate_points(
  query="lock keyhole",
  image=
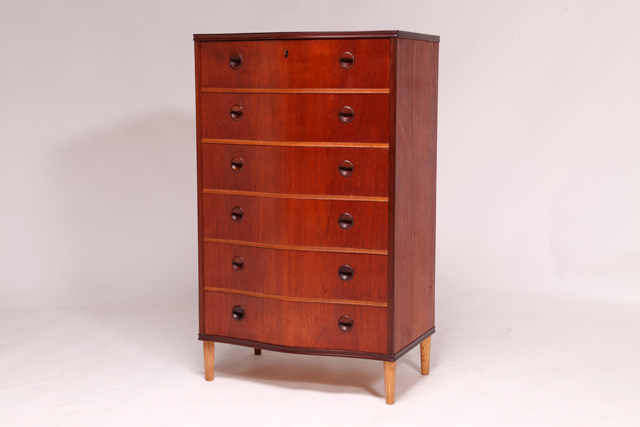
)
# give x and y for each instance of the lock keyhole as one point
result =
(286, 53)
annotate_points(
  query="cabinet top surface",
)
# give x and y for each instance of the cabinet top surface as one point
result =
(317, 35)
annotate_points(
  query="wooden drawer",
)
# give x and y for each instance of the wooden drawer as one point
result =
(308, 64)
(296, 324)
(295, 117)
(296, 273)
(302, 170)
(295, 221)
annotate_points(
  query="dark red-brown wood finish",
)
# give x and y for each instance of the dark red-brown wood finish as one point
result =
(295, 170)
(296, 130)
(296, 64)
(295, 117)
(305, 274)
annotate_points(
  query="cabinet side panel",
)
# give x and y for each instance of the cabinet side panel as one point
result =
(415, 189)
(199, 185)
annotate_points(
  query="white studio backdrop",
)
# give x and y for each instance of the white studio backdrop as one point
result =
(538, 157)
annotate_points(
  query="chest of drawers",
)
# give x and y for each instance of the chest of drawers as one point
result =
(316, 193)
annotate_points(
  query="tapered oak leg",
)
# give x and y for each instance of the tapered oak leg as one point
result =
(425, 354)
(257, 351)
(209, 357)
(390, 382)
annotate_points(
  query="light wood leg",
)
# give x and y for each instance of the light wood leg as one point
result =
(209, 358)
(257, 351)
(425, 354)
(390, 382)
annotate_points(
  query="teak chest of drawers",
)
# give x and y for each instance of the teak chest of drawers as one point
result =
(316, 193)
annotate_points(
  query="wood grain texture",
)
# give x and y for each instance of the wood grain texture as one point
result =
(425, 355)
(308, 64)
(295, 299)
(209, 359)
(392, 191)
(296, 273)
(295, 324)
(299, 170)
(298, 247)
(297, 143)
(296, 222)
(199, 187)
(297, 196)
(300, 90)
(295, 117)
(389, 382)
(415, 190)
(318, 35)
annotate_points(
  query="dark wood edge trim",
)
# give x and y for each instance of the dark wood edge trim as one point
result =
(391, 191)
(374, 199)
(297, 248)
(414, 343)
(199, 186)
(296, 350)
(317, 35)
(319, 352)
(296, 299)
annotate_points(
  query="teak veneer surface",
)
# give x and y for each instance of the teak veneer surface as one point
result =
(415, 190)
(298, 170)
(295, 221)
(307, 64)
(286, 117)
(296, 324)
(296, 273)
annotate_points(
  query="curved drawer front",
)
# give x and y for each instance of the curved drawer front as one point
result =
(296, 169)
(296, 222)
(296, 324)
(339, 276)
(306, 64)
(287, 117)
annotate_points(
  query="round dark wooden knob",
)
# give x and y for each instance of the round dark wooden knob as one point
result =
(347, 60)
(346, 114)
(235, 61)
(238, 312)
(345, 168)
(345, 221)
(237, 214)
(345, 323)
(237, 263)
(345, 272)
(236, 112)
(237, 164)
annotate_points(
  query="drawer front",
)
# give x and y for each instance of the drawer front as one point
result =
(295, 117)
(296, 324)
(346, 171)
(308, 64)
(343, 276)
(295, 221)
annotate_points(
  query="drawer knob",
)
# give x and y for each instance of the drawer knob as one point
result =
(346, 168)
(238, 312)
(346, 60)
(345, 323)
(237, 263)
(236, 112)
(237, 164)
(346, 114)
(345, 272)
(237, 214)
(345, 221)
(235, 61)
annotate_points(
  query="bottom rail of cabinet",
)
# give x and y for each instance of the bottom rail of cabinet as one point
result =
(317, 351)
